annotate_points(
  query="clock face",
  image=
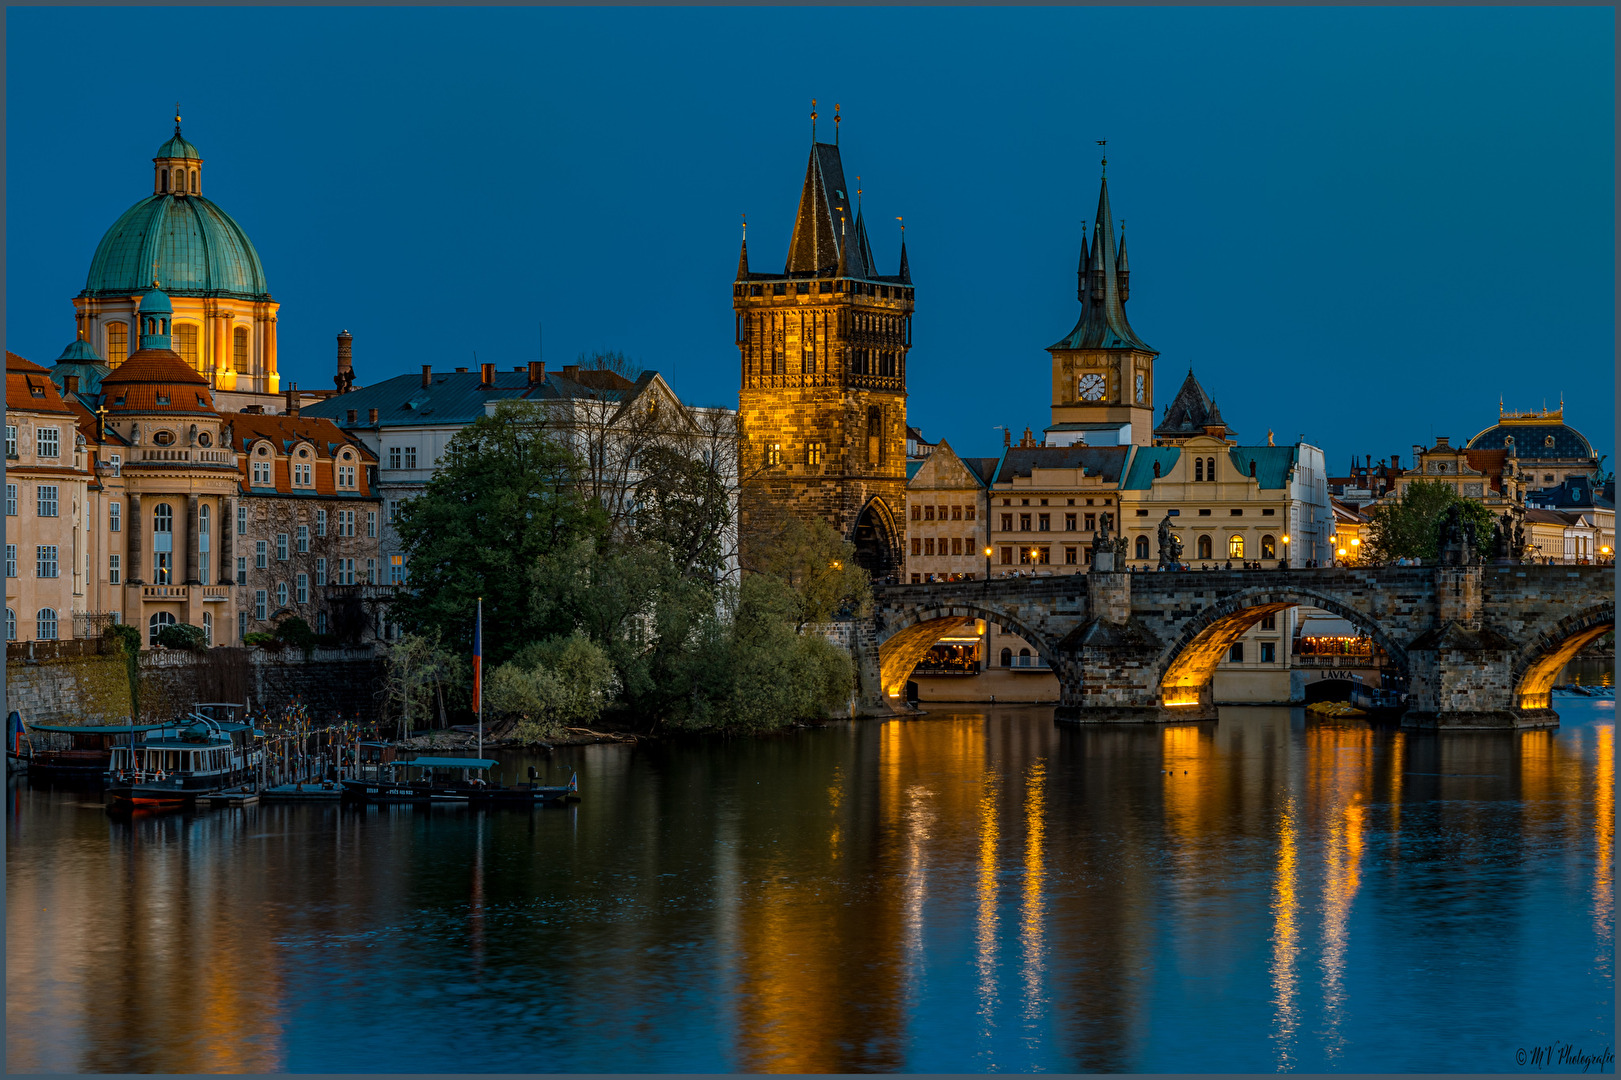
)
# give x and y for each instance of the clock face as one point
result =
(1092, 386)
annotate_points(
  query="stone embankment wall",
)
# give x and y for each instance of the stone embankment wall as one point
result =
(72, 682)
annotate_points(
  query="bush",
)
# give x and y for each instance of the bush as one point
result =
(182, 636)
(553, 684)
(296, 632)
(261, 640)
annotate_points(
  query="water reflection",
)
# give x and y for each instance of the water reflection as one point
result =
(990, 892)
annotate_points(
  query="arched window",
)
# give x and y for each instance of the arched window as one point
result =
(1142, 547)
(1198, 468)
(239, 350)
(1210, 468)
(208, 629)
(1235, 546)
(1156, 470)
(155, 623)
(45, 625)
(117, 343)
(1269, 548)
(1007, 654)
(163, 180)
(1204, 547)
(185, 343)
(194, 181)
(163, 515)
(162, 544)
(180, 180)
(11, 625)
(1024, 657)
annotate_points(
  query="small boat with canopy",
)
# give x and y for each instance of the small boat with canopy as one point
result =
(175, 767)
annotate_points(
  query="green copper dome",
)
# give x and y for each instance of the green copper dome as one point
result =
(184, 241)
(177, 147)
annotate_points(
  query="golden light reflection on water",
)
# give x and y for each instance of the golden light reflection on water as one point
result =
(1188, 751)
(1285, 937)
(985, 934)
(1035, 878)
(1604, 840)
(1340, 772)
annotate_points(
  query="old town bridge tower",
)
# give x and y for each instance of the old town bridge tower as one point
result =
(823, 400)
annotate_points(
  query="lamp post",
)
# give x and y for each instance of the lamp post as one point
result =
(1355, 554)
(1283, 563)
(987, 562)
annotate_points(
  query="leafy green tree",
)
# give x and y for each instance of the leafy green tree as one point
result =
(297, 633)
(506, 495)
(183, 636)
(685, 505)
(1410, 526)
(553, 684)
(819, 567)
(420, 676)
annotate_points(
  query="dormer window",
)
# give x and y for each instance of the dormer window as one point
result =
(164, 438)
(203, 439)
(163, 399)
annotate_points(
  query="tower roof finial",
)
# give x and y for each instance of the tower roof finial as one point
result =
(1105, 143)
(177, 118)
(813, 121)
(836, 119)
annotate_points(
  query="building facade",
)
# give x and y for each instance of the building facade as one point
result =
(823, 349)
(945, 517)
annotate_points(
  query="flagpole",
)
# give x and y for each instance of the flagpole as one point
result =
(478, 674)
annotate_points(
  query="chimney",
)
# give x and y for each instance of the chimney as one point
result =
(571, 371)
(292, 399)
(371, 417)
(345, 378)
(1441, 443)
(486, 376)
(353, 415)
(70, 383)
(427, 376)
(537, 372)
(461, 371)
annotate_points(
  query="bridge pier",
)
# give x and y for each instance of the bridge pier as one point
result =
(1463, 679)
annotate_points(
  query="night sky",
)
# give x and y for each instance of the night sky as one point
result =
(1361, 225)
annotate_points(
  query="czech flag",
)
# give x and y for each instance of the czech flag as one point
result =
(478, 660)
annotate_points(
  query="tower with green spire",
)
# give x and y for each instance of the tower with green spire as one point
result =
(1103, 373)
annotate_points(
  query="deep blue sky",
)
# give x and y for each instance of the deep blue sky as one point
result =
(1363, 225)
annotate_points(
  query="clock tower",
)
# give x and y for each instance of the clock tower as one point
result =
(1103, 373)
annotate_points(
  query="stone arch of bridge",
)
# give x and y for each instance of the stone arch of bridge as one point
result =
(1539, 661)
(1186, 666)
(916, 630)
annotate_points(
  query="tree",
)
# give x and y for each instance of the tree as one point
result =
(553, 684)
(419, 676)
(686, 505)
(1409, 527)
(183, 636)
(819, 567)
(508, 492)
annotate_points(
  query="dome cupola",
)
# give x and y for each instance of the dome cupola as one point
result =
(154, 315)
(178, 167)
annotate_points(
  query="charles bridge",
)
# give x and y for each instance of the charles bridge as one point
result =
(1479, 646)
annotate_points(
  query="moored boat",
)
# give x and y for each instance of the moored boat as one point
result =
(176, 767)
(429, 780)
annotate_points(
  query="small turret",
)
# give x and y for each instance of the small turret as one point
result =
(1122, 272)
(743, 260)
(1080, 269)
(154, 315)
(906, 269)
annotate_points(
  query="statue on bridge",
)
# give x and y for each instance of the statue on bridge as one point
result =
(1170, 546)
(1508, 538)
(1458, 543)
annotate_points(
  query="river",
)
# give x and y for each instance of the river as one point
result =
(967, 891)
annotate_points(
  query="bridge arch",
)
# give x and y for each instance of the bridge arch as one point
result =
(1539, 661)
(914, 631)
(1185, 667)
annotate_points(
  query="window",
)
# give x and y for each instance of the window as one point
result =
(396, 456)
(11, 625)
(261, 601)
(346, 522)
(396, 570)
(813, 453)
(45, 561)
(956, 513)
(115, 517)
(1007, 556)
(1069, 522)
(371, 523)
(1024, 658)
(1024, 555)
(185, 343)
(208, 629)
(162, 567)
(968, 513)
(45, 624)
(11, 500)
(303, 588)
(410, 457)
(239, 350)
(1091, 522)
(48, 442)
(1268, 512)
(117, 343)
(1269, 622)
(346, 476)
(202, 567)
(241, 520)
(875, 431)
(281, 547)
(1204, 547)
(928, 545)
(1044, 555)
(1044, 522)
(346, 571)
(928, 513)
(1007, 657)
(1269, 652)
(303, 538)
(261, 554)
(241, 569)
(1198, 468)
(320, 523)
(1236, 653)
(1269, 548)
(371, 571)
(773, 454)
(320, 622)
(281, 594)
(261, 474)
(46, 501)
(1235, 546)
(1007, 522)
(1024, 522)
(115, 569)
(1204, 513)
(1142, 547)
(117, 463)
(1235, 512)
(1210, 468)
(205, 518)
(303, 474)
(11, 561)
(320, 571)
(1071, 555)
(917, 546)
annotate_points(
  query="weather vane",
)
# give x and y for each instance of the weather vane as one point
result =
(813, 119)
(836, 119)
(1105, 142)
